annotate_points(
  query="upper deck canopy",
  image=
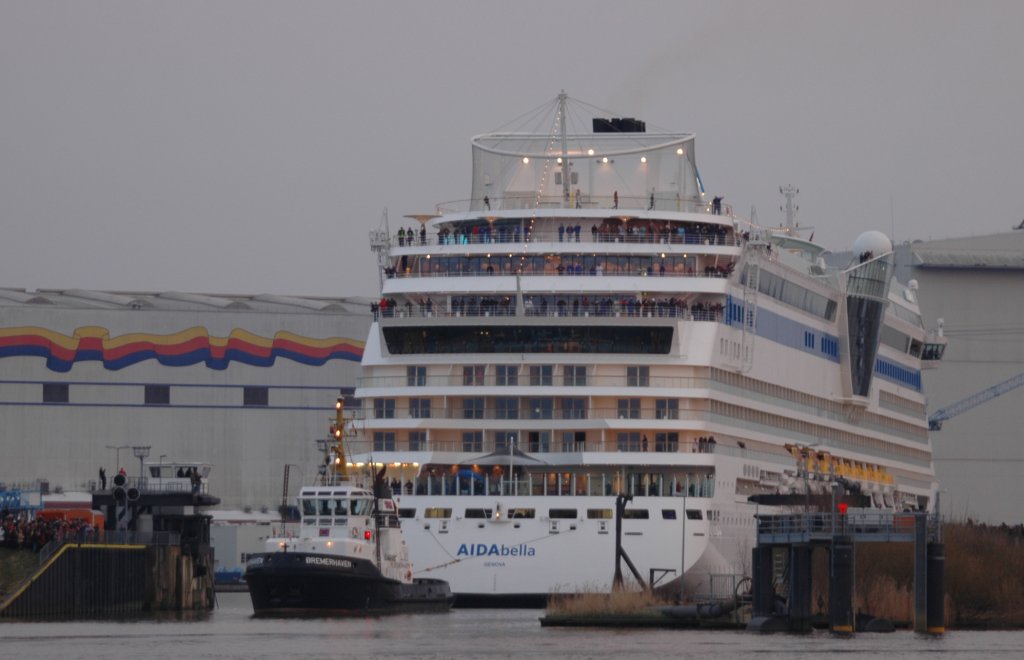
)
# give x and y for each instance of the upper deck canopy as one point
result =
(583, 168)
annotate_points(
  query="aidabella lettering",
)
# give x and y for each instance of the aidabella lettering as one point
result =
(495, 550)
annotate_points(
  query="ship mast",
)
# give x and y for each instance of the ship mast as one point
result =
(562, 98)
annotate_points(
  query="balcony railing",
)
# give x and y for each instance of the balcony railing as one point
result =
(525, 413)
(525, 380)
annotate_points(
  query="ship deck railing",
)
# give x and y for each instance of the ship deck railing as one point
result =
(613, 310)
(606, 271)
(525, 414)
(495, 237)
(695, 483)
(626, 203)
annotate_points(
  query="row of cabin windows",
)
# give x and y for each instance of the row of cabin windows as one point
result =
(539, 374)
(535, 408)
(155, 395)
(538, 441)
(554, 514)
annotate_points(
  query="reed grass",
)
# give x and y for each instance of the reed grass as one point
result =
(984, 577)
(594, 603)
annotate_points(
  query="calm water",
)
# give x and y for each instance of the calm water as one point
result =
(231, 632)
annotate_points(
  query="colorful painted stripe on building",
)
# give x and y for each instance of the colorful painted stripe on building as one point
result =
(180, 349)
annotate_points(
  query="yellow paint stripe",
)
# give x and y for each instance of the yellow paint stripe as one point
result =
(842, 629)
(937, 630)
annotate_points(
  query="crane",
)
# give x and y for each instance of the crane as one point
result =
(963, 405)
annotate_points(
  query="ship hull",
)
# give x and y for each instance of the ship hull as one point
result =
(298, 583)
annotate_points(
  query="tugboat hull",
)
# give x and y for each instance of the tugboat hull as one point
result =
(298, 583)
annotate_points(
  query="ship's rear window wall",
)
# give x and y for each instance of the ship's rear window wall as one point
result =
(528, 339)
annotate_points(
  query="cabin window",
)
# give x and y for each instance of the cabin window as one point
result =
(415, 376)
(473, 441)
(668, 514)
(478, 513)
(473, 375)
(666, 442)
(384, 408)
(407, 513)
(628, 441)
(506, 408)
(504, 440)
(507, 374)
(629, 408)
(473, 408)
(417, 440)
(383, 441)
(540, 374)
(574, 375)
(256, 396)
(522, 513)
(694, 514)
(362, 507)
(666, 409)
(437, 512)
(542, 408)
(308, 507)
(563, 514)
(636, 514)
(419, 408)
(599, 514)
(638, 376)
(574, 408)
(157, 395)
(55, 392)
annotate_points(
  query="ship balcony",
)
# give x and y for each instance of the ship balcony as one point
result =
(508, 383)
(535, 412)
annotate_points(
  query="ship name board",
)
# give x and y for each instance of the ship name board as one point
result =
(327, 561)
(495, 550)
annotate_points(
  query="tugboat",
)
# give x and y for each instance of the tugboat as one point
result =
(348, 557)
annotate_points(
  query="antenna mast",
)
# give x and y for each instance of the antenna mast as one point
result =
(790, 209)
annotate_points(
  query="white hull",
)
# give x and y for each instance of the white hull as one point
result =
(589, 325)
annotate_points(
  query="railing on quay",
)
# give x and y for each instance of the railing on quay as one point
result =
(110, 537)
(861, 525)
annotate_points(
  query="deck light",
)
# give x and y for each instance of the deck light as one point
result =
(679, 151)
(590, 152)
(526, 160)
(643, 159)
(605, 160)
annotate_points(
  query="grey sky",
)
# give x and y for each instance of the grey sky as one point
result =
(250, 146)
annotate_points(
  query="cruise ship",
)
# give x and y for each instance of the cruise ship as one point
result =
(591, 324)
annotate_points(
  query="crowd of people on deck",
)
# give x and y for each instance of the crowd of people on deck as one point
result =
(609, 231)
(21, 531)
